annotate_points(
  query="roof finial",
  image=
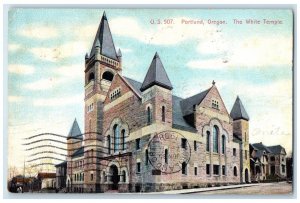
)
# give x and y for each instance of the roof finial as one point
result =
(213, 82)
(104, 15)
(119, 54)
(156, 55)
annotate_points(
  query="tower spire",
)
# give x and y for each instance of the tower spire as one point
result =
(238, 110)
(156, 75)
(104, 40)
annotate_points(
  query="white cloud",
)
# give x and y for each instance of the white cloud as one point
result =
(13, 47)
(44, 84)
(59, 101)
(161, 34)
(16, 99)
(38, 31)
(208, 64)
(20, 69)
(72, 71)
(254, 52)
(63, 74)
(57, 53)
(125, 50)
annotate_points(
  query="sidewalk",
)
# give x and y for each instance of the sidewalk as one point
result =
(198, 190)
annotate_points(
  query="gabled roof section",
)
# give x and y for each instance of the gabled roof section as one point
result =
(156, 75)
(75, 132)
(78, 153)
(187, 105)
(276, 149)
(178, 121)
(238, 111)
(261, 146)
(134, 84)
(104, 40)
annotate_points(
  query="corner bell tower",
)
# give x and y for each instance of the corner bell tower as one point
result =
(101, 65)
(241, 129)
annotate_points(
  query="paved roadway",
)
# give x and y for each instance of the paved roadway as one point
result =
(259, 189)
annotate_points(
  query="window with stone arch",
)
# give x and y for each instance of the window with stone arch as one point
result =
(149, 115)
(163, 114)
(108, 144)
(235, 171)
(207, 141)
(116, 130)
(124, 176)
(166, 156)
(223, 144)
(107, 75)
(123, 139)
(146, 157)
(184, 168)
(215, 139)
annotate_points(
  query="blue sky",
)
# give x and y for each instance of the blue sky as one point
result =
(46, 49)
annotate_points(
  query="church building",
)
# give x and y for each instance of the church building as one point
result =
(121, 147)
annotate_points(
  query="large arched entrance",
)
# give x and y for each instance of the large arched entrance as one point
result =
(246, 176)
(113, 170)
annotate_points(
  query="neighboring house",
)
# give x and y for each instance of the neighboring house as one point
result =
(123, 116)
(267, 161)
(277, 161)
(259, 163)
(61, 174)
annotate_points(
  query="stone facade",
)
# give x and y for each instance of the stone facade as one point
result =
(122, 116)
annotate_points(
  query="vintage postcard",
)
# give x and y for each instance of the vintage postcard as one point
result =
(152, 101)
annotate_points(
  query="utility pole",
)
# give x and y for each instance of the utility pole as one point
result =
(23, 175)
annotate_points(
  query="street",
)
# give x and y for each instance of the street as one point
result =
(261, 189)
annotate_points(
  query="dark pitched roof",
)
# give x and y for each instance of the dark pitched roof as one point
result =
(156, 75)
(75, 131)
(238, 111)
(187, 105)
(178, 121)
(135, 84)
(276, 149)
(78, 153)
(64, 163)
(261, 146)
(104, 40)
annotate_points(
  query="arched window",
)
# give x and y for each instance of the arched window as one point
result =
(223, 144)
(124, 176)
(123, 139)
(183, 168)
(146, 157)
(91, 77)
(149, 117)
(108, 144)
(108, 76)
(216, 139)
(163, 113)
(166, 156)
(104, 178)
(116, 137)
(234, 171)
(208, 141)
